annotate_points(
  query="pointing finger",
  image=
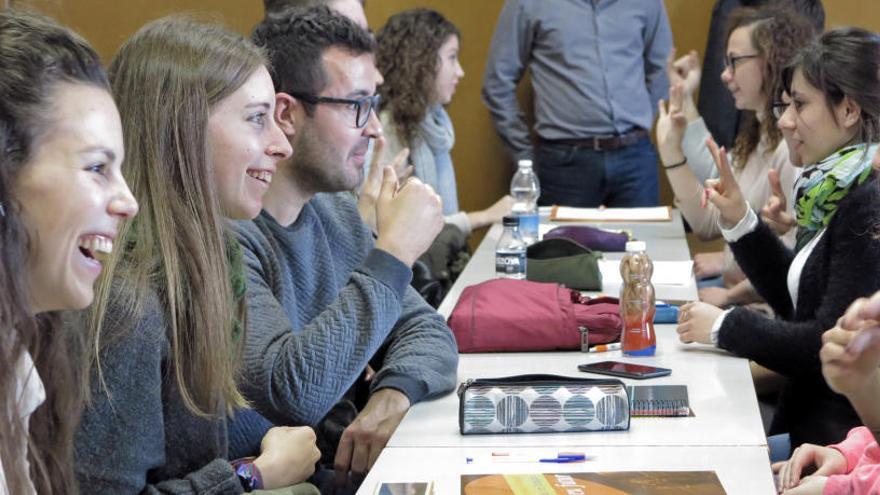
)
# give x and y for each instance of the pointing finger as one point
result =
(675, 97)
(399, 159)
(378, 148)
(670, 63)
(776, 185)
(720, 156)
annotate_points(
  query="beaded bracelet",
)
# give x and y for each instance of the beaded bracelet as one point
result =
(248, 473)
(676, 164)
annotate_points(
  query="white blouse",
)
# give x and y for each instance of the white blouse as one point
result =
(797, 266)
(31, 394)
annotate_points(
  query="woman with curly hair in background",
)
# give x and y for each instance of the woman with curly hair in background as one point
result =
(418, 57)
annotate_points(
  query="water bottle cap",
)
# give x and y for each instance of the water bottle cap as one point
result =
(510, 221)
(525, 163)
(635, 246)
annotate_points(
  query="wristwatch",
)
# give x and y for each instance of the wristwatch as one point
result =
(248, 474)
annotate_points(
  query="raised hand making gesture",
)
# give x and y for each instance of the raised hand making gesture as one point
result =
(774, 212)
(724, 192)
(685, 71)
(671, 125)
(369, 192)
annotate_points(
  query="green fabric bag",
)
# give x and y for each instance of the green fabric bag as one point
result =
(564, 262)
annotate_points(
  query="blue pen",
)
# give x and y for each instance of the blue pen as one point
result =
(564, 458)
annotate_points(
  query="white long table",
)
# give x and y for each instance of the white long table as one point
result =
(741, 470)
(719, 387)
(725, 434)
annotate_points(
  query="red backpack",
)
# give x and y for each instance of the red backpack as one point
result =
(519, 315)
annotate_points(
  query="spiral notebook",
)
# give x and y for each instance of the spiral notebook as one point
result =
(659, 400)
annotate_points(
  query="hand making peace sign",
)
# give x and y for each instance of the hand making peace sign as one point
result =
(724, 192)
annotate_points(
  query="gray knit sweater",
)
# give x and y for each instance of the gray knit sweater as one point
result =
(136, 436)
(322, 302)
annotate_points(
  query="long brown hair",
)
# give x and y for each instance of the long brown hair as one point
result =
(408, 58)
(778, 32)
(36, 56)
(166, 79)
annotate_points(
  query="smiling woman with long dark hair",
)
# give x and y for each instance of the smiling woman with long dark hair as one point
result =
(61, 197)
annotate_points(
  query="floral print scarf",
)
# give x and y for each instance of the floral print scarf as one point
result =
(821, 187)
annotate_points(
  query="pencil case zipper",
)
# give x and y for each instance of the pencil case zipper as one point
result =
(535, 379)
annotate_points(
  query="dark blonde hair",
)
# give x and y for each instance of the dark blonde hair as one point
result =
(36, 57)
(778, 32)
(166, 79)
(408, 58)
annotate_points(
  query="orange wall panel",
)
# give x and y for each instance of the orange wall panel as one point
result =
(483, 168)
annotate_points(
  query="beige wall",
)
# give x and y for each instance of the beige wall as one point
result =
(482, 167)
(107, 23)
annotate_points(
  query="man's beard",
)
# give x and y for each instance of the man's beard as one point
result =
(317, 166)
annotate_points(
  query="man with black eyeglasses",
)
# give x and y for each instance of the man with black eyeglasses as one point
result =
(326, 298)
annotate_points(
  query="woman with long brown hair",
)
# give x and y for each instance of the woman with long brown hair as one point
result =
(197, 108)
(61, 197)
(418, 57)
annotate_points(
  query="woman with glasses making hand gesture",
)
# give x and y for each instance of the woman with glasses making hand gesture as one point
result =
(831, 118)
(759, 44)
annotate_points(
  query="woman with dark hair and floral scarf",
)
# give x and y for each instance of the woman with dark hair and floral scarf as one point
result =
(829, 117)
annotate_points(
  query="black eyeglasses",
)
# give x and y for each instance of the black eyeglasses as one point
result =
(361, 106)
(731, 62)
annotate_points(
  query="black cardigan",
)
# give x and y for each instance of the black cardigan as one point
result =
(843, 266)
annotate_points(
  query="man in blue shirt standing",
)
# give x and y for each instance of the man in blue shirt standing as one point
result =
(598, 69)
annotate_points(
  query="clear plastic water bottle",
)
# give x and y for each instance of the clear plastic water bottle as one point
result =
(510, 252)
(637, 304)
(525, 190)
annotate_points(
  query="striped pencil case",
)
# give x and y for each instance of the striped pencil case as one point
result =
(542, 404)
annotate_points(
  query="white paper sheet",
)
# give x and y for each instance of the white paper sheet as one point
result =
(679, 273)
(651, 214)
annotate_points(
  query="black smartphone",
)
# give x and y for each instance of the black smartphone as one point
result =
(625, 370)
